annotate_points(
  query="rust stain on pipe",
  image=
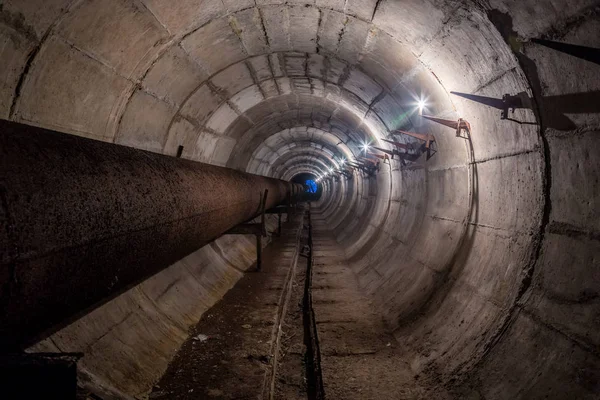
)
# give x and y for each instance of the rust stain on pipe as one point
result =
(82, 221)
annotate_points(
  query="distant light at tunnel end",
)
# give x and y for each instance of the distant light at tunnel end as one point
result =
(311, 186)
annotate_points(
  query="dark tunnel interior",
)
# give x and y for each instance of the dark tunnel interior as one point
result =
(451, 247)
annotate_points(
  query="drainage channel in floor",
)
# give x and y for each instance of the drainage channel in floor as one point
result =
(299, 372)
(300, 329)
(232, 352)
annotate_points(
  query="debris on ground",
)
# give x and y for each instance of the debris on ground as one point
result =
(200, 337)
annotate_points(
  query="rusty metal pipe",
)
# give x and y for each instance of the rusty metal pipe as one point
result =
(82, 221)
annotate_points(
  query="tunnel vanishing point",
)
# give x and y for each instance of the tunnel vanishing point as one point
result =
(155, 154)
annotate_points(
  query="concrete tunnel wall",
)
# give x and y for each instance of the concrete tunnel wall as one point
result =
(483, 260)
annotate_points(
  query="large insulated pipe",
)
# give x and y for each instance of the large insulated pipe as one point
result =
(81, 221)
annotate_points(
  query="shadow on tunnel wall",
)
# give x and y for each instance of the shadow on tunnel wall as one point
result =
(446, 280)
(376, 236)
(550, 111)
(553, 109)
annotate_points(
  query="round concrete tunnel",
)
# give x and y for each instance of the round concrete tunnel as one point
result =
(481, 255)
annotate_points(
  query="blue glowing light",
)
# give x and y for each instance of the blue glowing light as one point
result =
(311, 186)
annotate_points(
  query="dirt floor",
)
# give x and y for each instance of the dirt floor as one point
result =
(359, 358)
(252, 344)
(290, 382)
(230, 351)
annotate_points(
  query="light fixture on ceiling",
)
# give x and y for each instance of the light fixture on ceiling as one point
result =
(365, 147)
(421, 103)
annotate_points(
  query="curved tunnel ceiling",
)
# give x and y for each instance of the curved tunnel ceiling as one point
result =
(230, 74)
(287, 87)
